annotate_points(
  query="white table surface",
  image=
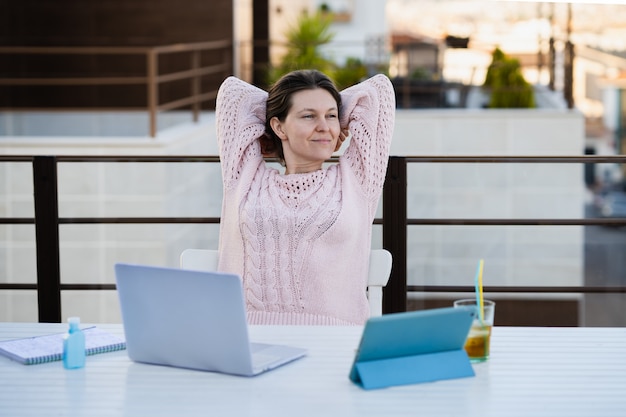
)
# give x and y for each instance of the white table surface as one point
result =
(532, 372)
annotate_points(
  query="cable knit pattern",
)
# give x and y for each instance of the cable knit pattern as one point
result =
(301, 242)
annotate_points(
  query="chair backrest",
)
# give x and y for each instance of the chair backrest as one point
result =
(379, 271)
(199, 259)
(378, 276)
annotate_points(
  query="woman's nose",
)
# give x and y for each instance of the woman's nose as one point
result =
(322, 125)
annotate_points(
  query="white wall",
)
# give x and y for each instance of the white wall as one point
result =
(514, 255)
(88, 252)
(611, 99)
(368, 24)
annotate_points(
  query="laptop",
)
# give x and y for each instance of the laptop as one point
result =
(192, 319)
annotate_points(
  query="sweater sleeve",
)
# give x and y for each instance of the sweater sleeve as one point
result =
(240, 119)
(368, 108)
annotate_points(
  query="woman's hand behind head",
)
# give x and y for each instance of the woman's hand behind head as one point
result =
(268, 147)
(345, 133)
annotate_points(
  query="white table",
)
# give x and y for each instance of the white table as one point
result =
(532, 372)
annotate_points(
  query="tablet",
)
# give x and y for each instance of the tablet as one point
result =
(415, 341)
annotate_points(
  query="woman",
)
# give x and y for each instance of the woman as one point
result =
(301, 239)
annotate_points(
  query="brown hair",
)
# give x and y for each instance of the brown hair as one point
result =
(279, 103)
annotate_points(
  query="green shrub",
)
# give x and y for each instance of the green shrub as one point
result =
(506, 83)
(353, 72)
(422, 74)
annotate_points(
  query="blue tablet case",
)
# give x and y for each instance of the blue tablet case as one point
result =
(413, 347)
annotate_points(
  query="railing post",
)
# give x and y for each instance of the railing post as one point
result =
(568, 75)
(195, 85)
(395, 233)
(153, 90)
(47, 239)
(552, 64)
(260, 47)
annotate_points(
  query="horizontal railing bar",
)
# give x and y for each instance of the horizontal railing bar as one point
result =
(137, 220)
(181, 75)
(75, 50)
(423, 159)
(520, 222)
(14, 286)
(519, 159)
(517, 289)
(137, 109)
(193, 46)
(113, 50)
(16, 158)
(188, 100)
(88, 287)
(136, 158)
(17, 220)
(74, 81)
(411, 222)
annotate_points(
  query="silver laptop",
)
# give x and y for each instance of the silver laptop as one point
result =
(192, 319)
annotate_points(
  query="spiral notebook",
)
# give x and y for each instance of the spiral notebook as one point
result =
(49, 348)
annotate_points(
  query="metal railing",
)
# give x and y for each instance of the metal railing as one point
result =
(152, 79)
(394, 225)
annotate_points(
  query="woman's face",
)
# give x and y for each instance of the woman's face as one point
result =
(310, 131)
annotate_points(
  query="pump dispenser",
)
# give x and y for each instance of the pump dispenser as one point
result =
(74, 345)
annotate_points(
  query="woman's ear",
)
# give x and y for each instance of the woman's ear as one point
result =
(277, 127)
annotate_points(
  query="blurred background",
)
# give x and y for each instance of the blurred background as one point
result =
(95, 84)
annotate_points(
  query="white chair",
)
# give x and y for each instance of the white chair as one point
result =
(380, 270)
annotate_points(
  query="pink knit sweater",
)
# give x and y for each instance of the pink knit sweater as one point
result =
(301, 242)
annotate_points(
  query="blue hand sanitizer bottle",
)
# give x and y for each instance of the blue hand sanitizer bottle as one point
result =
(74, 345)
